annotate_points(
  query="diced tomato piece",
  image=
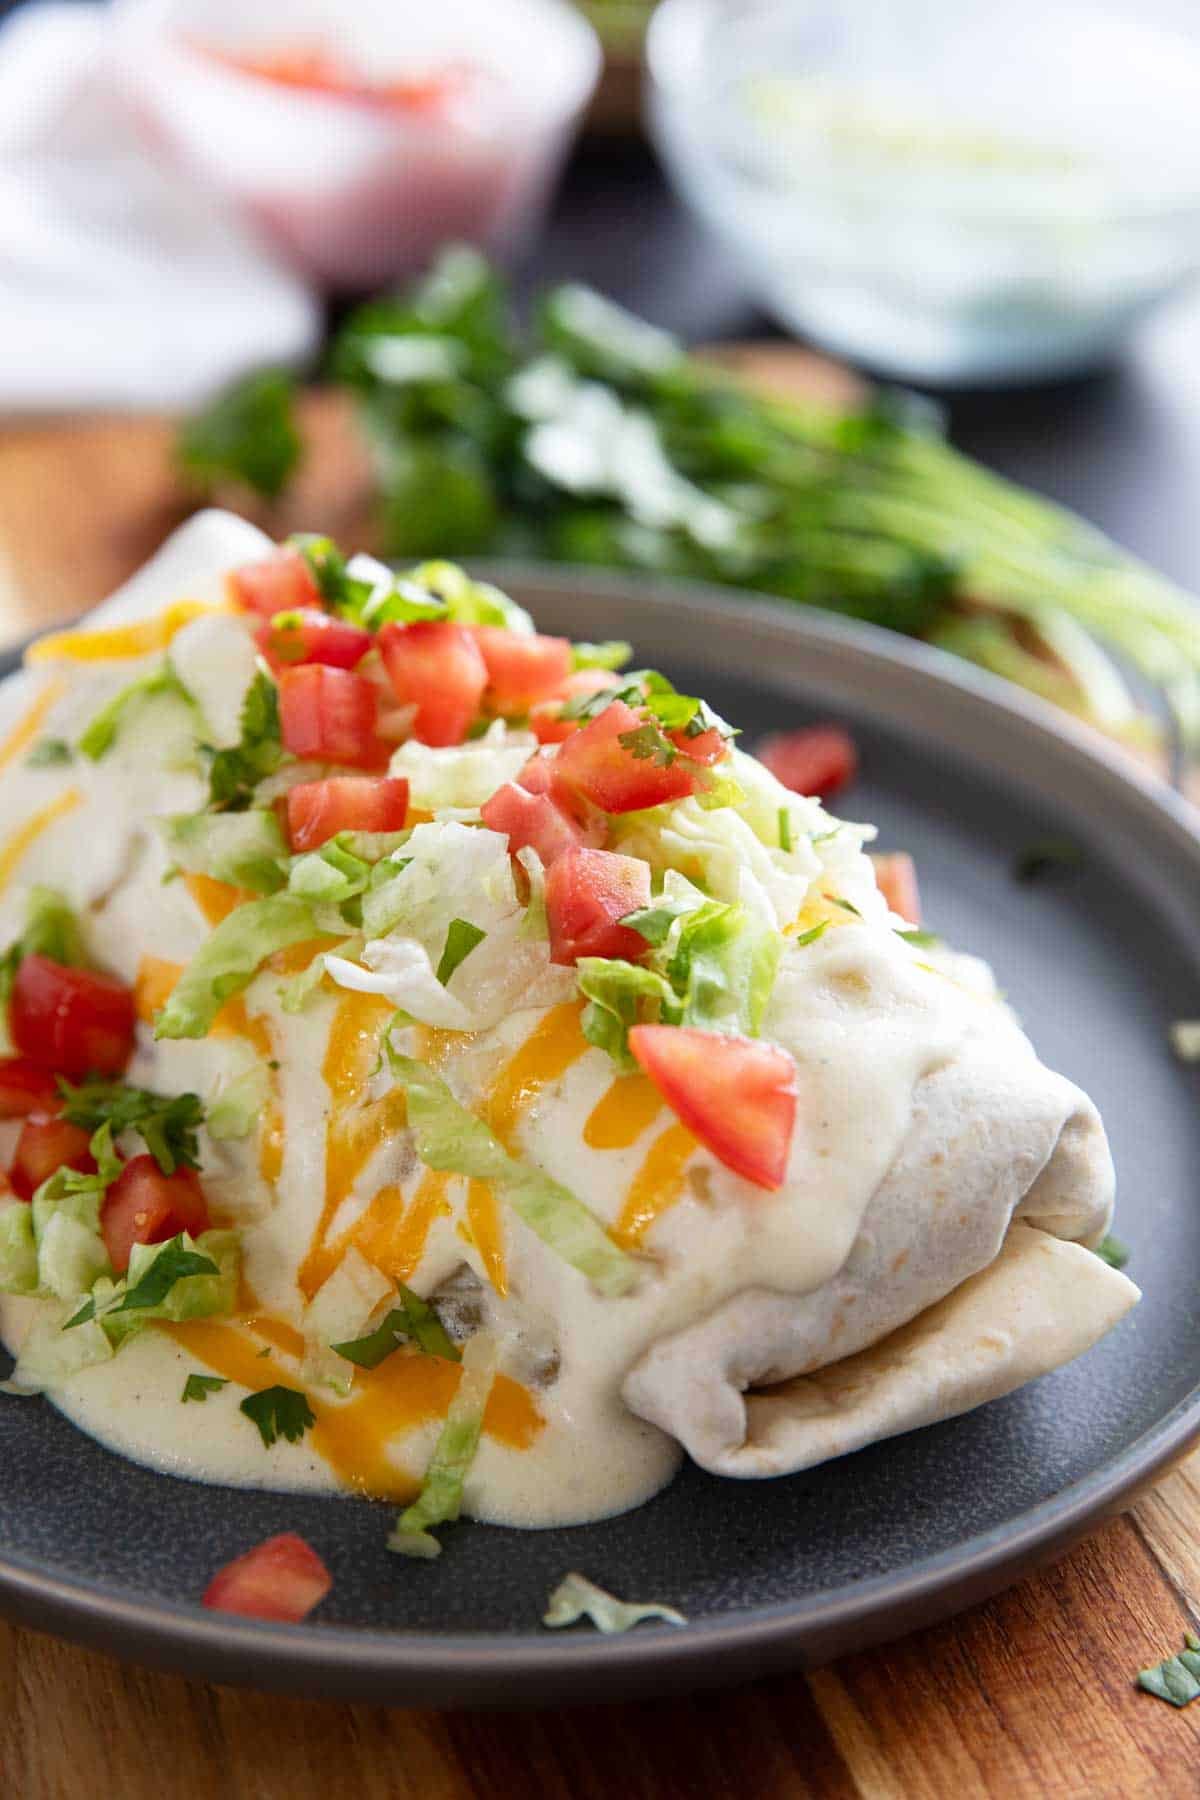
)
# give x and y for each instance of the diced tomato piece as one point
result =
(537, 775)
(522, 670)
(71, 1020)
(144, 1206)
(439, 669)
(596, 766)
(309, 636)
(896, 879)
(820, 760)
(47, 1144)
(533, 821)
(283, 583)
(546, 720)
(587, 893)
(737, 1095)
(282, 1579)
(330, 715)
(706, 748)
(25, 1087)
(318, 810)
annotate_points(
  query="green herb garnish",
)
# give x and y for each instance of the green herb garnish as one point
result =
(415, 1320)
(461, 938)
(173, 1263)
(166, 1125)
(199, 1387)
(234, 773)
(247, 435)
(279, 1412)
(1177, 1678)
(1044, 858)
(1113, 1251)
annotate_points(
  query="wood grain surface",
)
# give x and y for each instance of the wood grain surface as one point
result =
(1030, 1695)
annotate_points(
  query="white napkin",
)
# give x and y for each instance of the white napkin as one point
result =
(123, 283)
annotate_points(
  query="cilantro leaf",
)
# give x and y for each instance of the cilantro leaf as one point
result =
(1043, 858)
(415, 1319)
(199, 1387)
(173, 1263)
(1177, 1678)
(461, 938)
(1113, 1251)
(167, 1124)
(47, 753)
(279, 1412)
(234, 773)
(648, 744)
(248, 435)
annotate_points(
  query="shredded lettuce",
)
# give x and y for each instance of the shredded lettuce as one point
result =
(49, 1355)
(461, 938)
(620, 995)
(296, 994)
(238, 1104)
(243, 848)
(470, 602)
(462, 775)
(614, 653)
(18, 1250)
(71, 1254)
(230, 959)
(184, 1278)
(576, 1598)
(101, 733)
(329, 876)
(449, 1137)
(440, 1499)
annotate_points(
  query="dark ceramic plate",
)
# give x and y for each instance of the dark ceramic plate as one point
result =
(965, 773)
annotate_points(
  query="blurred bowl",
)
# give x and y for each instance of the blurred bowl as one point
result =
(945, 193)
(457, 128)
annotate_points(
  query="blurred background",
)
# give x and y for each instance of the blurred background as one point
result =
(347, 266)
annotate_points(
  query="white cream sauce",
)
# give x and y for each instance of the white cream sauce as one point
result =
(861, 1014)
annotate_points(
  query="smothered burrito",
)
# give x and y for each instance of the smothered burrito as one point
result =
(441, 1051)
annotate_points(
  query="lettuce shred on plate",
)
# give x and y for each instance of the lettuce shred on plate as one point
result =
(441, 1049)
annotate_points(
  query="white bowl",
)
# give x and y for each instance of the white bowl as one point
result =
(946, 192)
(356, 194)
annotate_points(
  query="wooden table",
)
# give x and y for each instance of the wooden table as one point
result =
(1030, 1695)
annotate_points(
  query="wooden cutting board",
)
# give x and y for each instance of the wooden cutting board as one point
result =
(1031, 1695)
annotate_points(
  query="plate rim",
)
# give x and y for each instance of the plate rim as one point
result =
(472, 1668)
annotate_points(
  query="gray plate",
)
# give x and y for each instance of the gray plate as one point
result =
(964, 772)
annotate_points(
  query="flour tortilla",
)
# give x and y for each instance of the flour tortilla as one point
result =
(969, 1276)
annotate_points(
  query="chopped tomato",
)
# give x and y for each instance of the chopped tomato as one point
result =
(737, 1095)
(438, 668)
(896, 878)
(531, 820)
(819, 760)
(309, 636)
(706, 748)
(522, 670)
(594, 765)
(26, 1087)
(144, 1206)
(283, 583)
(45, 1145)
(587, 893)
(537, 775)
(546, 720)
(318, 810)
(71, 1020)
(283, 1579)
(330, 715)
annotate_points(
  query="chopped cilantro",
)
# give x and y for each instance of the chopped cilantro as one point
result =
(234, 773)
(248, 435)
(1177, 1678)
(279, 1412)
(1045, 857)
(199, 1387)
(461, 938)
(166, 1125)
(48, 753)
(415, 1319)
(1113, 1251)
(648, 744)
(173, 1263)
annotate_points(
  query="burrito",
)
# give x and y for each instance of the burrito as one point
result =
(443, 1066)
